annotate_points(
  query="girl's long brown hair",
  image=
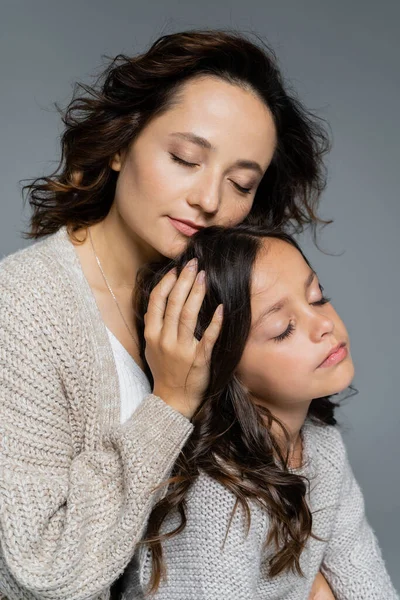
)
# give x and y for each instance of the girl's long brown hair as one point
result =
(230, 441)
(107, 117)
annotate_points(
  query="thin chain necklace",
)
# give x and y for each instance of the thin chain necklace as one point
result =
(110, 290)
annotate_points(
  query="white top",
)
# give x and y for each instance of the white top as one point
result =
(133, 383)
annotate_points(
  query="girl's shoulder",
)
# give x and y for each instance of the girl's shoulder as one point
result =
(326, 446)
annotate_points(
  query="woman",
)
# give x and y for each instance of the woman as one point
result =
(197, 131)
(262, 495)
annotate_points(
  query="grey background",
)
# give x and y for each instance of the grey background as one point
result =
(343, 59)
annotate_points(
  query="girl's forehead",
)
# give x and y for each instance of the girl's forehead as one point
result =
(279, 266)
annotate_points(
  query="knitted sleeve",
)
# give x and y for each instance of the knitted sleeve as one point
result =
(353, 563)
(69, 519)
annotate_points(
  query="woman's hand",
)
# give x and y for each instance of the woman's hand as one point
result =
(320, 589)
(178, 361)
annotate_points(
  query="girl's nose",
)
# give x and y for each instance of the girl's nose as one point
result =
(323, 325)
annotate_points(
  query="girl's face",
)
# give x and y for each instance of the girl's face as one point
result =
(292, 333)
(200, 161)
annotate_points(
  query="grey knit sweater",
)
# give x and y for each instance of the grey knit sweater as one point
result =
(199, 568)
(75, 485)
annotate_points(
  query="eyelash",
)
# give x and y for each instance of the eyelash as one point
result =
(285, 334)
(180, 161)
(290, 329)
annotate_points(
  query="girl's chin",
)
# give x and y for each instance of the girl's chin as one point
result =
(343, 380)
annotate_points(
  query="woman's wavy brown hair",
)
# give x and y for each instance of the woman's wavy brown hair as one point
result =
(230, 441)
(107, 117)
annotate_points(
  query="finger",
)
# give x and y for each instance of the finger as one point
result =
(157, 303)
(177, 299)
(211, 334)
(191, 308)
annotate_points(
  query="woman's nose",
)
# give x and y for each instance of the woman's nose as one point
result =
(206, 195)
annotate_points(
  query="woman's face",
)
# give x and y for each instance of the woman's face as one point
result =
(292, 333)
(201, 161)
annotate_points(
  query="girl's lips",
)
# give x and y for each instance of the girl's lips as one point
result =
(183, 227)
(336, 357)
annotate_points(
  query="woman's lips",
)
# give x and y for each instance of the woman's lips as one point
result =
(336, 357)
(183, 227)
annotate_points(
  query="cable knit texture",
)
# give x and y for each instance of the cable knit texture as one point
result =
(200, 568)
(76, 485)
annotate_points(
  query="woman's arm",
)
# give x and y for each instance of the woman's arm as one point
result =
(69, 525)
(353, 563)
(69, 517)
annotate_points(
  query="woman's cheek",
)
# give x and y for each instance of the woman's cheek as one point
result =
(158, 175)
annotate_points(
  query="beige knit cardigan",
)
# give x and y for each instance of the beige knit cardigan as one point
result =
(76, 486)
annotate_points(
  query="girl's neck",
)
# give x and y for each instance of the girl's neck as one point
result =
(295, 450)
(293, 419)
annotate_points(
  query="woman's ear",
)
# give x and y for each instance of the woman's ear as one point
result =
(76, 177)
(116, 161)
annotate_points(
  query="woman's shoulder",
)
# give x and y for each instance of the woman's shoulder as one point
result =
(30, 261)
(36, 266)
(40, 278)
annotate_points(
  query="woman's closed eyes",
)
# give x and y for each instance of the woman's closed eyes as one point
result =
(191, 165)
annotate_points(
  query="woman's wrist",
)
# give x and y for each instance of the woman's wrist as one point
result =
(176, 400)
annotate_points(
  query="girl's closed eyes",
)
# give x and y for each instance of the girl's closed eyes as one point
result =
(291, 327)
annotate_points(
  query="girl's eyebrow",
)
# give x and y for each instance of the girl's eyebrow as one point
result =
(204, 143)
(281, 303)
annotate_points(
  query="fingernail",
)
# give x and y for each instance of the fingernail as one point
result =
(201, 277)
(220, 310)
(192, 264)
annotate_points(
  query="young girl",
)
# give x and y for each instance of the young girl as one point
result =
(262, 496)
(197, 131)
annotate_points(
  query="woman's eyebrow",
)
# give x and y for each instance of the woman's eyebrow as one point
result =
(195, 139)
(248, 164)
(281, 303)
(204, 143)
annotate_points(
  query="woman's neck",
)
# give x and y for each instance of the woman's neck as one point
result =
(120, 251)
